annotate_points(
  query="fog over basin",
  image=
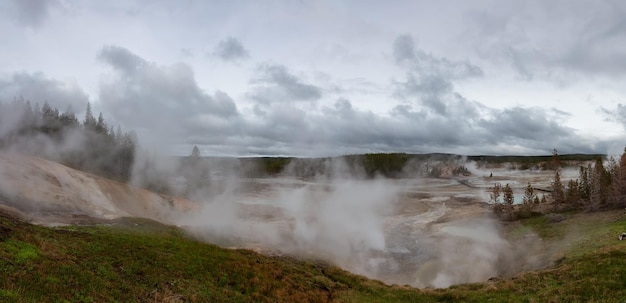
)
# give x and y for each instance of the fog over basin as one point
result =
(424, 232)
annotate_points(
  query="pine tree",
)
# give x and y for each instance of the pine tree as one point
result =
(556, 164)
(572, 196)
(558, 196)
(30, 118)
(101, 126)
(50, 120)
(584, 186)
(618, 185)
(101, 153)
(599, 186)
(508, 201)
(68, 118)
(529, 201)
(494, 197)
(90, 121)
(118, 134)
(195, 152)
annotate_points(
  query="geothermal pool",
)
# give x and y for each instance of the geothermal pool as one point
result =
(422, 232)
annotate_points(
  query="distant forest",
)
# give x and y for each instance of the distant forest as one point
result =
(403, 165)
(91, 145)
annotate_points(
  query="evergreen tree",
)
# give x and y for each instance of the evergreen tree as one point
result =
(600, 183)
(118, 133)
(101, 126)
(529, 201)
(558, 197)
(584, 186)
(196, 172)
(102, 152)
(68, 118)
(50, 120)
(90, 121)
(508, 201)
(494, 196)
(30, 117)
(195, 152)
(618, 185)
(556, 163)
(572, 196)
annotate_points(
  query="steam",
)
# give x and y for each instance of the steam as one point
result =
(359, 225)
(469, 251)
(341, 221)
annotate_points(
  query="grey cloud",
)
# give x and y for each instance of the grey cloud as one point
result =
(430, 91)
(344, 107)
(403, 130)
(560, 112)
(121, 58)
(405, 110)
(39, 89)
(186, 52)
(426, 84)
(528, 129)
(513, 130)
(441, 120)
(618, 114)
(285, 123)
(429, 80)
(33, 13)
(342, 128)
(598, 46)
(422, 63)
(163, 102)
(518, 63)
(276, 84)
(403, 48)
(584, 40)
(288, 129)
(230, 49)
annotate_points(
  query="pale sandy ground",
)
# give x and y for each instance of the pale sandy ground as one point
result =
(45, 192)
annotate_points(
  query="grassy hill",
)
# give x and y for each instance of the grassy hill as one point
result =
(138, 260)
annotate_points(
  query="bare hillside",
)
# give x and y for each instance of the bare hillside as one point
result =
(46, 192)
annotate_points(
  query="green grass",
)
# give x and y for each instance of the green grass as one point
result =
(137, 260)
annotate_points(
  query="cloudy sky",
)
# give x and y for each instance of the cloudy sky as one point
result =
(329, 77)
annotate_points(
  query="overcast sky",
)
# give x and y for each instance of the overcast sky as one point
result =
(321, 78)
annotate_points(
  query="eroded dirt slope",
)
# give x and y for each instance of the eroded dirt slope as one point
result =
(46, 192)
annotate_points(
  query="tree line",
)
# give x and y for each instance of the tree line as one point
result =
(599, 186)
(90, 145)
